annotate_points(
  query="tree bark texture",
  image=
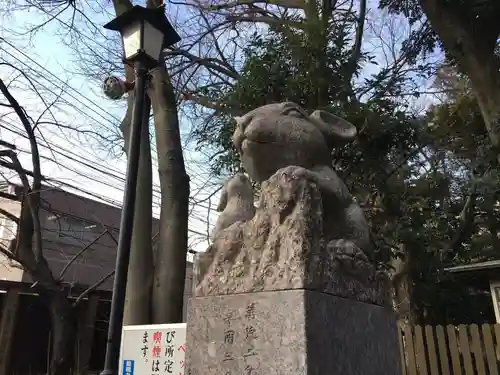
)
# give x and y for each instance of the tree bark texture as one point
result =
(170, 264)
(63, 326)
(402, 286)
(140, 272)
(63, 334)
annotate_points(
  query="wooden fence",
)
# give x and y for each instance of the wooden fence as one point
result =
(451, 350)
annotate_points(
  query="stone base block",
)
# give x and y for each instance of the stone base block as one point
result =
(290, 332)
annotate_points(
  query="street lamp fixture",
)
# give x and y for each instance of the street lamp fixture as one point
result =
(145, 33)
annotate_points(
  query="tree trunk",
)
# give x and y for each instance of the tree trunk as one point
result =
(170, 265)
(140, 271)
(140, 279)
(63, 334)
(402, 288)
(63, 322)
(475, 56)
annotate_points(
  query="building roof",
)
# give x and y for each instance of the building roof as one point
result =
(69, 204)
(482, 266)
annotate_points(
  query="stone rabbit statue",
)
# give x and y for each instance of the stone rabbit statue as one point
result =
(278, 135)
(236, 203)
(308, 232)
(283, 137)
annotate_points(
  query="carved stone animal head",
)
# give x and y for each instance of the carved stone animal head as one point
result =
(277, 135)
(237, 186)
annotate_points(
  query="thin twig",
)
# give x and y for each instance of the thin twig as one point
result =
(77, 255)
(93, 287)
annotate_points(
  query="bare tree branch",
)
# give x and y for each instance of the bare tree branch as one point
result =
(9, 216)
(289, 4)
(77, 255)
(358, 41)
(93, 287)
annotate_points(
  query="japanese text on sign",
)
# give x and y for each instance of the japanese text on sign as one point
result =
(248, 336)
(153, 349)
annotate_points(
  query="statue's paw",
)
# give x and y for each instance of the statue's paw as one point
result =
(293, 172)
(342, 248)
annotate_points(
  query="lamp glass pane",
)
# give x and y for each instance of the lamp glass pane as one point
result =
(132, 39)
(153, 41)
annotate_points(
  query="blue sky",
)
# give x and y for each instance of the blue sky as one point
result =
(67, 153)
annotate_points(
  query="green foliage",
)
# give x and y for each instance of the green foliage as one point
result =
(278, 67)
(459, 164)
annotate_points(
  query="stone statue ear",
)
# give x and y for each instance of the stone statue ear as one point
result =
(337, 131)
(223, 199)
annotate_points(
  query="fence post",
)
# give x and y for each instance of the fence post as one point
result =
(490, 349)
(443, 350)
(431, 350)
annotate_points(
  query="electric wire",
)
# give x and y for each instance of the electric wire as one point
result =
(193, 215)
(71, 105)
(93, 165)
(68, 154)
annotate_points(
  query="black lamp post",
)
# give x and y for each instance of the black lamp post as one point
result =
(145, 33)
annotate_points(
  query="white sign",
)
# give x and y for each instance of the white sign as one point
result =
(154, 349)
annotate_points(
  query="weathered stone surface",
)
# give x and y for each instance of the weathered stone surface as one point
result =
(299, 238)
(290, 333)
(236, 203)
(292, 290)
(277, 135)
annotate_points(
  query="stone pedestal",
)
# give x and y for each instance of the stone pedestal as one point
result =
(290, 332)
(295, 290)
